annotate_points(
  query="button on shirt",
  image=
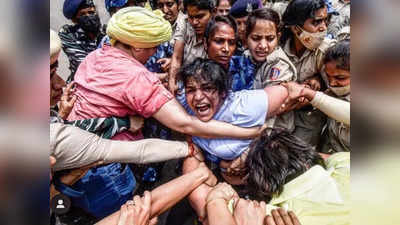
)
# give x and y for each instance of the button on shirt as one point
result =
(247, 108)
(109, 82)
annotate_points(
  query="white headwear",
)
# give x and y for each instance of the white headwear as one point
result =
(55, 45)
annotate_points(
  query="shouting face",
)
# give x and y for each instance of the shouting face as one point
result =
(203, 98)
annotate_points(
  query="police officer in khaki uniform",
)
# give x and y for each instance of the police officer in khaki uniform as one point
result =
(304, 41)
(335, 102)
(337, 75)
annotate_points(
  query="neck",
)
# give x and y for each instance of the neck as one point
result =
(297, 47)
(123, 48)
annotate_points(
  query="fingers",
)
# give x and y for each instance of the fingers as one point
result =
(277, 217)
(154, 221)
(123, 215)
(52, 161)
(269, 220)
(147, 199)
(281, 217)
(294, 218)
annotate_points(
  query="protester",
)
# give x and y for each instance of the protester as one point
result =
(81, 38)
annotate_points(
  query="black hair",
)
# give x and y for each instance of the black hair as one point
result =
(209, 71)
(200, 4)
(213, 25)
(276, 159)
(296, 13)
(339, 53)
(262, 14)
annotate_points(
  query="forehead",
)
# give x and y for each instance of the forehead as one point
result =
(224, 3)
(321, 13)
(193, 82)
(86, 10)
(224, 30)
(264, 27)
(332, 70)
(241, 19)
(193, 10)
(166, 1)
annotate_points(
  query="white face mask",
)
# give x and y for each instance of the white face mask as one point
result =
(310, 40)
(341, 91)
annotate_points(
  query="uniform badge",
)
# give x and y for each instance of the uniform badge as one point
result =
(274, 73)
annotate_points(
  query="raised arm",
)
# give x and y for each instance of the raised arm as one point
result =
(172, 115)
(176, 63)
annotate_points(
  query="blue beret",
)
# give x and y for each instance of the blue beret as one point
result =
(114, 3)
(71, 7)
(243, 8)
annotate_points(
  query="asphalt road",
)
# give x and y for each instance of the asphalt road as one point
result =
(57, 20)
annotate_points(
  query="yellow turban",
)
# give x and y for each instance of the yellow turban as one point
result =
(139, 27)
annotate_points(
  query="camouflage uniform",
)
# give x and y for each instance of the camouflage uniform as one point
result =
(279, 7)
(308, 121)
(277, 68)
(340, 21)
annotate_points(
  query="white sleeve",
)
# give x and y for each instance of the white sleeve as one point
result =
(73, 148)
(336, 109)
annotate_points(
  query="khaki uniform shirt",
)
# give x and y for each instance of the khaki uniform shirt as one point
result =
(309, 122)
(193, 48)
(276, 69)
(311, 62)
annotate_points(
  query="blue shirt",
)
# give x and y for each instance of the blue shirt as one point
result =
(242, 71)
(247, 108)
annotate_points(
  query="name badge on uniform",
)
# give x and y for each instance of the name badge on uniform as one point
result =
(274, 73)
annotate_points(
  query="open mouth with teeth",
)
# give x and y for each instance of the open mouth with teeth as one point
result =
(203, 110)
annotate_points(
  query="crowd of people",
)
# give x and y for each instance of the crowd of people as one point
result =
(249, 98)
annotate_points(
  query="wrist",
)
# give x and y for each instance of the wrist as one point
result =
(309, 93)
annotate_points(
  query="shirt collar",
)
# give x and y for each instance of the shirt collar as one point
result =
(288, 51)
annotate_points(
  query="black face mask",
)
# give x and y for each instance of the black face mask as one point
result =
(90, 23)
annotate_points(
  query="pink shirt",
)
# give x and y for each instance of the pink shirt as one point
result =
(109, 82)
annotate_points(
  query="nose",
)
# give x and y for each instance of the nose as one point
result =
(263, 44)
(198, 95)
(323, 27)
(225, 47)
(165, 9)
